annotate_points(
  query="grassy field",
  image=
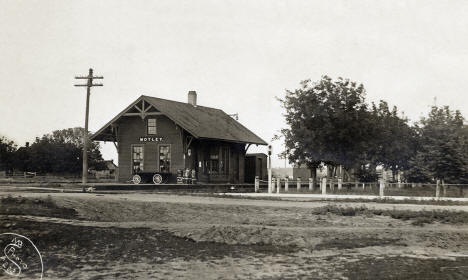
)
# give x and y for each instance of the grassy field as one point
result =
(188, 237)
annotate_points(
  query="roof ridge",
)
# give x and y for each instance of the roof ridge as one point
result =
(185, 103)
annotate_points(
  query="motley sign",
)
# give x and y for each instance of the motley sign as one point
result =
(151, 139)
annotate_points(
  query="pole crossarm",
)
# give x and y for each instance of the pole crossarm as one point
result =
(87, 77)
(92, 85)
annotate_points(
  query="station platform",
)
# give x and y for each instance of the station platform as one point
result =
(244, 188)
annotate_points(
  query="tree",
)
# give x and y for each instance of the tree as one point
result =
(443, 146)
(74, 137)
(22, 159)
(328, 122)
(418, 169)
(7, 150)
(394, 141)
(61, 152)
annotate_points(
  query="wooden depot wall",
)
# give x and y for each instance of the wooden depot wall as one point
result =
(129, 132)
(130, 129)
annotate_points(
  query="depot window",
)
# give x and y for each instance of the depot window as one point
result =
(151, 127)
(137, 159)
(165, 158)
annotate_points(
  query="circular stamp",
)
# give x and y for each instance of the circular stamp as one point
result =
(19, 258)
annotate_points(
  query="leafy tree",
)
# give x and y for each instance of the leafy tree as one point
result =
(328, 122)
(60, 152)
(394, 141)
(366, 173)
(7, 150)
(47, 156)
(74, 137)
(22, 159)
(443, 146)
(418, 171)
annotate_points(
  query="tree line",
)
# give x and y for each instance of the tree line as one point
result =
(329, 122)
(59, 152)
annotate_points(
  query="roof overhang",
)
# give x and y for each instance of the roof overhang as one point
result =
(145, 106)
(107, 132)
(234, 141)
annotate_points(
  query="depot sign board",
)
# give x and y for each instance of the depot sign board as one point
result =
(151, 139)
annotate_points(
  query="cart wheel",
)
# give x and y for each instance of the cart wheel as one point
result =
(136, 179)
(157, 179)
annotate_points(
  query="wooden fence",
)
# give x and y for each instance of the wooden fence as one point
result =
(381, 188)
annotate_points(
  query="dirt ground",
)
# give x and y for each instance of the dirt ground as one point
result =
(163, 236)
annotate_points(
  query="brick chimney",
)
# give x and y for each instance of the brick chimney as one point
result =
(192, 98)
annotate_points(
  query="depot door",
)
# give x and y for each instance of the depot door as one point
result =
(235, 166)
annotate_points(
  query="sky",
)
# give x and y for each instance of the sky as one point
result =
(238, 55)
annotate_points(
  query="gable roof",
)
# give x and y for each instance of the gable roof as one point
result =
(200, 121)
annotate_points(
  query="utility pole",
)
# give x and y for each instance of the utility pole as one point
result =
(88, 86)
(270, 187)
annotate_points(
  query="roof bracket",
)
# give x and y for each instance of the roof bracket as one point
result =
(116, 146)
(147, 108)
(190, 138)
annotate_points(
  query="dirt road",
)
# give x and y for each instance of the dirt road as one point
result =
(221, 200)
(162, 236)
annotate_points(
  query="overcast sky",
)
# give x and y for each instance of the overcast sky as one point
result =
(237, 55)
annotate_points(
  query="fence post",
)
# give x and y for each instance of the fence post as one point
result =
(311, 184)
(363, 185)
(324, 185)
(273, 184)
(286, 184)
(437, 188)
(356, 185)
(278, 185)
(340, 183)
(257, 183)
(332, 185)
(298, 183)
(382, 187)
(444, 188)
(399, 182)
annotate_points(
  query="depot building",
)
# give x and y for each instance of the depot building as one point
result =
(159, 135)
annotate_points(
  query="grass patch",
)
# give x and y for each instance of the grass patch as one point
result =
(35, 207)
(357, 200)
(407, 201)
(356, 243)
(391, 268)
(417, 217)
